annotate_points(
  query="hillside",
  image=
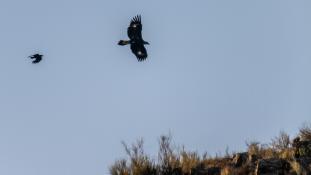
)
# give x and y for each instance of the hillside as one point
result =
(283, 156)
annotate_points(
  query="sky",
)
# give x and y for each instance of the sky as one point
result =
(218, 73)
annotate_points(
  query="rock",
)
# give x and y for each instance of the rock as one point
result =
(170, 171)
(177, 171)
(207, 171)
(272, 167)
(213, 171)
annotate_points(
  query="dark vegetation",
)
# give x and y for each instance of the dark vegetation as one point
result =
(283, 156)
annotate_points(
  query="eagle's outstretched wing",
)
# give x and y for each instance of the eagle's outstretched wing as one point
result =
(135, 28)
(140, 51)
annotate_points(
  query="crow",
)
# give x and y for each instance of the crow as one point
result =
(136, 41)
(37, 58)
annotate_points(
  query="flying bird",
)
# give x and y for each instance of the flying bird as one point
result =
(37, 58)
(136, 40)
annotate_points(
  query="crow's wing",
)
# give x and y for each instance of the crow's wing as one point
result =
(37, 60)
(140, 51)
(35, 56)
(135, 28)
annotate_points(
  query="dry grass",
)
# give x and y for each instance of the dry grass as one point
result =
(262, 151)
(188, 161)
(216, 162)
(139, 164)
(244, 170)
(287, 154)
(120, 168)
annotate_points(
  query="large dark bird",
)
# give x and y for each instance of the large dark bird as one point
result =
(37, 58)
(136, 41)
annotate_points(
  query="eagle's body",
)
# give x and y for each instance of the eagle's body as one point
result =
(37, 58)
(136, 41)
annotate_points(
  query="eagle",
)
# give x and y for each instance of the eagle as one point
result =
(136, 40)
(37, 58)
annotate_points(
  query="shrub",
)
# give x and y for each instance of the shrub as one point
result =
(120, 168)
(281, 142)
(140, 164)
(305, 132)
(253, 147)
(189, 160)
(261, 150)
(168, 160)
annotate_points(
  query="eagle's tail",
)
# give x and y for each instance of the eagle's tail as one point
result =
(122, 42)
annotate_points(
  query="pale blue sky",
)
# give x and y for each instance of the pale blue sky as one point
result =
(218, 73)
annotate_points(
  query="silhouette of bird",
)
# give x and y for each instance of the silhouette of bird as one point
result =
(37, 58)
(136, 41)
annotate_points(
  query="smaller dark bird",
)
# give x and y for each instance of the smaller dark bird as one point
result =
(37, 58)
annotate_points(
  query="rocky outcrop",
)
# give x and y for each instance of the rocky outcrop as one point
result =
(202, 170)
(272, 167)
(213, 171)
(247, 164)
